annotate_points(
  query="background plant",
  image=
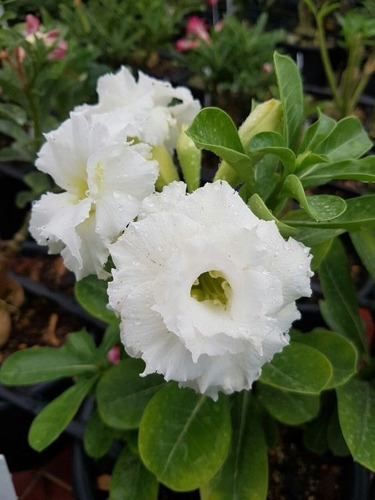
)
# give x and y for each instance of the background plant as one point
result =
(357, 26)
(123, 32)
(236, 59)
(323, 376)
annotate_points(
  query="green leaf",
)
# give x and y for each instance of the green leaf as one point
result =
(319, 252)
(292, 370)
(340, 307)
(130, 479)
(364, 243)
(338, 350)
(322, 207)
(184, 437)
(287, 407)
(362, 170)
(314, 236)
(214, 130)
(97, 437)
(13, 113)
(291, 95)
(315, 434)
(356, 407)
(273, 143)
(91, 293)
(244, 474)
(31, 366)
(347, 140)
(359, 214)
(316, 132)
(55, 417)
(335, 438)
(189, 158)
(122, 394)
(110, 338)
(259, 208)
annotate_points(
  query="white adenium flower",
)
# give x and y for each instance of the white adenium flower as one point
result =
(104, 184)
(154, 107)
(205, 290)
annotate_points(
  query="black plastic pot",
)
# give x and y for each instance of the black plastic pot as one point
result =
(11, 183)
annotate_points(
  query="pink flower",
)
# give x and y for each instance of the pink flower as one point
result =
(185, 44)
(212, 2)
(32, 24)
(197, 27)
(114, 355)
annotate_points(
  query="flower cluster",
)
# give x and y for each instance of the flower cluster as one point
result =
(204, 289)
(103, 159)
(50, 38)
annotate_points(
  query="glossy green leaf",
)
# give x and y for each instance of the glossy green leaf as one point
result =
(91, 293)
(347, 140)
(273, 143)
(307, 160)
(364, 243)
(287, 407)
(97, 437)
(189, 157)
(55, 417)
(31, 366)
(292, 370)
(340, 306)
(214, 130)
(259, 208)
(130, 479)
(359, 214)
(244, 474)
(338, 350)
(122, 394)
(291, 95)
(322, 207)
(362, 169)
(356, 408)
(316, 132)
(266, 176)
(184, 437)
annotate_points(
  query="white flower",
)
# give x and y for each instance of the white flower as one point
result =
(205, 290)
(104, 184)
(155, 109)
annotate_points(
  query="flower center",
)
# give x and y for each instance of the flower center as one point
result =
(211, 286)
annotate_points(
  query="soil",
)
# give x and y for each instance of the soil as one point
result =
(40, 321)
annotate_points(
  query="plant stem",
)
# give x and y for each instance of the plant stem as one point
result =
(327, 65)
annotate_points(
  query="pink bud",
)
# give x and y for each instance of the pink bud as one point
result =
(267, 67)
(32, 24)
(185, 44)
(197, 27)
(113, 355)
(60, 51)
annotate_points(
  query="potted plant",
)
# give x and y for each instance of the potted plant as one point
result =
(204, 286)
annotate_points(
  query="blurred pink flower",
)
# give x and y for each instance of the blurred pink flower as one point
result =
(186, 44)
(197, 27)
(212, 2)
